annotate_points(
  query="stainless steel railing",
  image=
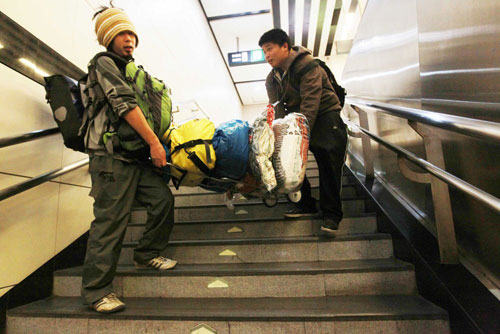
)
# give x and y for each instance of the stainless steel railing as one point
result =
(472, 127)
(29, 136)
(31, 183)
(482, 196)
(438, 178)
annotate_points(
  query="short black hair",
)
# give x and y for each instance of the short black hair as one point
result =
(276, 36)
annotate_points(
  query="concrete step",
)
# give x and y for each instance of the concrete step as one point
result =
(198, 198)
(339, 314)
(296, 279)
(290, 249)
(256, 228)
(251, 209)
(311, 164)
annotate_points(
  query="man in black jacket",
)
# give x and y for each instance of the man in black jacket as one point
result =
(311, 94)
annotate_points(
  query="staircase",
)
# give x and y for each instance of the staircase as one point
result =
(251, 271)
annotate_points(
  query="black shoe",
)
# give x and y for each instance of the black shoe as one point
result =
(300, 211)
(329, 226)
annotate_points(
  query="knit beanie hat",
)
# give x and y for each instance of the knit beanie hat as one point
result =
(110, 23)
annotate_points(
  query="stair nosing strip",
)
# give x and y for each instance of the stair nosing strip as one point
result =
(282, 240)
(427, 311)
(259, 220)
(258, 203)
(362, 266)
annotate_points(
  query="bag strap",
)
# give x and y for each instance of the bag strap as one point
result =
(193, 143)
(94, 83)
(192, 155)
(295, 77)
(198, 163)
(177, 183)
(154, 102)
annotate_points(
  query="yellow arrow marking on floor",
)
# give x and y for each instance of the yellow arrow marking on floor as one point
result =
(235, 229)
(218, 283)
(227, 252)
(203, 329)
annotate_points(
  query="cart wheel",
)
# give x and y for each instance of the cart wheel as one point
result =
(229, 200)
(295, 196)
(270, 200)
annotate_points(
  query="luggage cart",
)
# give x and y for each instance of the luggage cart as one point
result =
(232, 187)
(190, 109)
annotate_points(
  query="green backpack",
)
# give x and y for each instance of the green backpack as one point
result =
(153, 98)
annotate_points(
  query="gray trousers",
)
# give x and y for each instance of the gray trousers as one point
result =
(115, 186)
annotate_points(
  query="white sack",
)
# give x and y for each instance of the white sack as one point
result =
(262, 148)
(290, 151)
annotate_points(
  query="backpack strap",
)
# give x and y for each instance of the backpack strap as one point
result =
(192, 155)
(339, 90)
(102, 100)
(309, 66)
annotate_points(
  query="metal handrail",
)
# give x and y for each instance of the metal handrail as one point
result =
(26, 137)
(484, 130)
(482, 196)
(31, 183)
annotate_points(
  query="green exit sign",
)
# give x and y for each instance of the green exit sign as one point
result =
(246, 57)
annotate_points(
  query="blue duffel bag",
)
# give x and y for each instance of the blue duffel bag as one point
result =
(231, 147)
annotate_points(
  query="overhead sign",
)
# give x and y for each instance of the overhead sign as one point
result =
(246, 57)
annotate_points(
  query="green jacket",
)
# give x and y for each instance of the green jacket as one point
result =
(315, 94)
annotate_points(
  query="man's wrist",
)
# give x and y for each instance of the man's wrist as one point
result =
(153, 141)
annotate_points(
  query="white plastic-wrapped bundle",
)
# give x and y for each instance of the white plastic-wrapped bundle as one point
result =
(262, 148)
(290, 151)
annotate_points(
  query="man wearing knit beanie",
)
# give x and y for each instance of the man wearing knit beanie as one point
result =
(110, 23)
(118, 181)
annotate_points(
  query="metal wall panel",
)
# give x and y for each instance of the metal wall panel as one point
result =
(441, 56)
(460, 56)
(460, 74)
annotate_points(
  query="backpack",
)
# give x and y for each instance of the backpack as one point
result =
(63, 95)
(152, 96)
(71, 116)
(69, 102)
(339, 90)
(191, 150)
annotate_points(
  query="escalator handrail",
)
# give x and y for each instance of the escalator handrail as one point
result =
(480, 195)
(37, 180)
(485, 130)
(29, 136)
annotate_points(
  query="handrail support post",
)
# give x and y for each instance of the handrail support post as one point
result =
(365, 143)
(440, 195)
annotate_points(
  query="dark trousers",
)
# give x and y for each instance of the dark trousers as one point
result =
(115, 186)
(328, 144)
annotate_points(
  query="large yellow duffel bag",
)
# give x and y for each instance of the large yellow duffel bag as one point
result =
(192, 151)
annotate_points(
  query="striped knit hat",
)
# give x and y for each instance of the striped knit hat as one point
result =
(110, 23)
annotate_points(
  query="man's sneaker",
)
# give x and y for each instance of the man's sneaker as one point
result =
(300, 211)
(108, 304)
(329, 226)
(159, 262)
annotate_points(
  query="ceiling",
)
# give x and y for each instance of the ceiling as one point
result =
(238, 24)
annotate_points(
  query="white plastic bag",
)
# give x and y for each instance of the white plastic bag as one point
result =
(262, 148)
(290, 151)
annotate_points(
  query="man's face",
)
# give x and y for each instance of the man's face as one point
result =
(275, 55)
(124, 43)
